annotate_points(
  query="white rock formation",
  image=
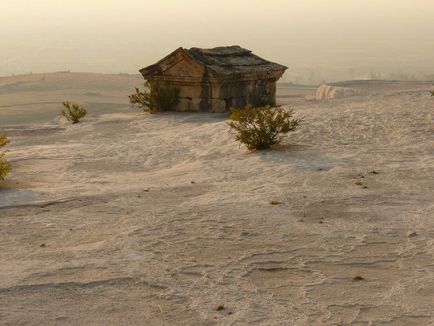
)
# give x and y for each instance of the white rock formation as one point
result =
(326, 92)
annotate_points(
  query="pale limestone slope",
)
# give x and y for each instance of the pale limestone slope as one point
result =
(159, 219)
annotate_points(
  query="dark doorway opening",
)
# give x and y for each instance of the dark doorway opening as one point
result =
(228, 103)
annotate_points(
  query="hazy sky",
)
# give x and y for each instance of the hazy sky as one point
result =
(317, 39)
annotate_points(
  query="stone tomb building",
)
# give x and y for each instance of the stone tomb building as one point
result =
(215, 80)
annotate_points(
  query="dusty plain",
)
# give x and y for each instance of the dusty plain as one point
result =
(136, 219)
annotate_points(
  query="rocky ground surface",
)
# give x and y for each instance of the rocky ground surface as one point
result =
(134, 219)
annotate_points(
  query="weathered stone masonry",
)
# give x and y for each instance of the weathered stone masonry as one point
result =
(217, 79)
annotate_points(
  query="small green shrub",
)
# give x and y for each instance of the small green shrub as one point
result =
(155, 97)
(432, 92)
(5, 166)
(73, 112)
(262, 127)
(142, 99)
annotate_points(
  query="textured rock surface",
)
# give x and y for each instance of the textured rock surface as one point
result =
(159, 220)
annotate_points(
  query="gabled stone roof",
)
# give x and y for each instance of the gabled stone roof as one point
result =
(225, 60)
(233, 59)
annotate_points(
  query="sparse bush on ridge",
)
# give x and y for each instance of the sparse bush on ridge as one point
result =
(5, 166)
(73, 112)
(155, 97)
(432, 92)
(261, 127)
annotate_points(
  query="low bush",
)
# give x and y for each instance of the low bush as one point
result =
(155, 97)
(432, 92)
(261, 127)
(5, 166)
(73, 112)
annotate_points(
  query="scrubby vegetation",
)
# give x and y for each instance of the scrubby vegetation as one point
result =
(155, 97)
(262, 127)
(5, 166)
(73, 112)
(432, 92)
